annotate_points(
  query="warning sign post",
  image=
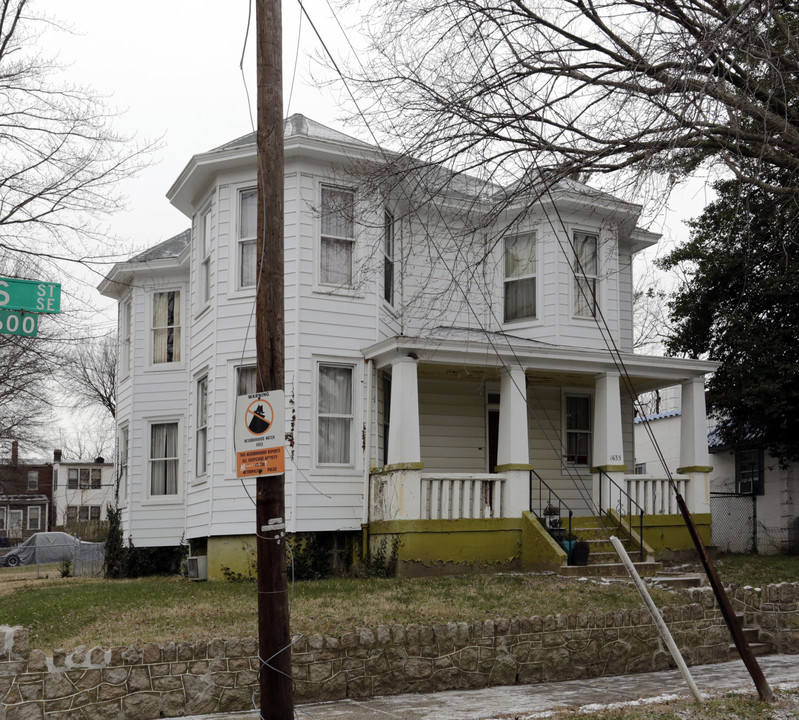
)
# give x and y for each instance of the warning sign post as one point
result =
(260, 434)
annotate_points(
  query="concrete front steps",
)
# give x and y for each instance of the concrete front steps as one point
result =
(752, 635)
(603, 561)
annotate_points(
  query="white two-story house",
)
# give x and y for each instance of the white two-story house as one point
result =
(445, 369)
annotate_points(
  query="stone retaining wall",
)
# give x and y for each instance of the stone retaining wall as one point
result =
(222, 675)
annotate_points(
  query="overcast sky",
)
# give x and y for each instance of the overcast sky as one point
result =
(171, 69)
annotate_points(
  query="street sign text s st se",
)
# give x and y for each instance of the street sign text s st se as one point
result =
(30, 295)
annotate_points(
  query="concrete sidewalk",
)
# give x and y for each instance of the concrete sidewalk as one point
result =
(526, 702)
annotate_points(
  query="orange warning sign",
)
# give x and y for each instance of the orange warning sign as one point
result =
(268, 461)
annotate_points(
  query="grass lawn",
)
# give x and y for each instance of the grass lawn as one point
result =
(728, 707)
(67, 612)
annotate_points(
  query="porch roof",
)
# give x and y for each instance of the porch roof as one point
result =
(544, 363)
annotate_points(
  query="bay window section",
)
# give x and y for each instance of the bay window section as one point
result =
(338, 237)
(520, 272)
(586, 267)
(202, 426)
(163, 459)
(166, 327)
(248, 229)
(335, 415)
(388, 257)
(205, 259)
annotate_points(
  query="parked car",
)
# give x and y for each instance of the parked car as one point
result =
(50, 547)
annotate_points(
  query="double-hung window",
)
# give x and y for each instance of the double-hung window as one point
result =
(335, 416)
(338, 237)
(205, 259)
(2, 518)
(34, 518)
(166, 327)
(33, 479)
(248, 230)
(201, 463)
(72, 514)
(586, 266)
(163, 458)
(122, 467)
(96, 478)
(578, 429)
(246, 376)
(124, 338)
(72, 479)
(749, 472)
(388, 257)
(520, 277)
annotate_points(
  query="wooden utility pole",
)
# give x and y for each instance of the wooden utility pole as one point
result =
(277, 702)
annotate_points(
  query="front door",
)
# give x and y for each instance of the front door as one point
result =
(15, 524)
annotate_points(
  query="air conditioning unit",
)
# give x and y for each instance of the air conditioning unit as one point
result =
(197, 567)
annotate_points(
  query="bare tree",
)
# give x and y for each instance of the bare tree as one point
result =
(59, 158)
(89, 374)
(525, 91)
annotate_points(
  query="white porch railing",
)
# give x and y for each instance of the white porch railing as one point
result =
(448, 496)
(655, 495)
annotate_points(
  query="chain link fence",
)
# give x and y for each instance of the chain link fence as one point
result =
(734, 518)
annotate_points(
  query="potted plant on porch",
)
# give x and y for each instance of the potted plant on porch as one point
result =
(552, 522)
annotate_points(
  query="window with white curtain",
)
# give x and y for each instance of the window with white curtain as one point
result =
(124, 338)
(335, 415)
(164, 458)
(248, 229)
(520, 277)
(205, 258)
(246, 376)
(578, 429)
(166, 327)
(338, 236)
(201, 464)
(586, 266)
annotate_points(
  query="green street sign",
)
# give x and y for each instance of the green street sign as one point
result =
(30, 295)
(18, 323)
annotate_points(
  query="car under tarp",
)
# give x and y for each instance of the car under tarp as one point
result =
(51, 547)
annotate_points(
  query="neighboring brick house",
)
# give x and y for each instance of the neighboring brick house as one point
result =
(26, 498)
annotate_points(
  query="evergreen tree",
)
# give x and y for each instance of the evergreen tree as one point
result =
(738, 305)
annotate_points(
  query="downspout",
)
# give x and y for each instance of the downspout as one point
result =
(367, 449)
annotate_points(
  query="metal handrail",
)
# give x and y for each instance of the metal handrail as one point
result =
(630, 503)
(541, 514)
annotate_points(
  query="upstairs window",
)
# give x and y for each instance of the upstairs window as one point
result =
(33, 479)
(335, 417)
(163, 459)
(520, 277)
(166, 327)
(578, 429)
(388, 257)
(202, 426)
(205, 259)
(72, 479)
(124, 338)
(338, 237)
(96, 478)
(248, 230)
(585, 274)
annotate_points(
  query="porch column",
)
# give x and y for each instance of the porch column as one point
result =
(513, 442)
(694, 456)
(403, 430)
(608, 450)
